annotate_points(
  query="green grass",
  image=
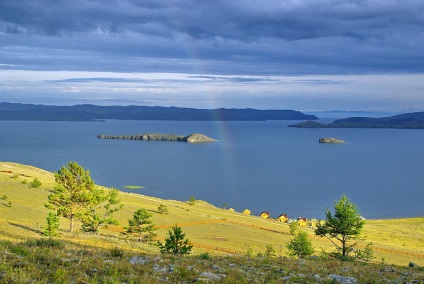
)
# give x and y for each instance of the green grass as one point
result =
(134, 187)
(223, 235)
(59, 261)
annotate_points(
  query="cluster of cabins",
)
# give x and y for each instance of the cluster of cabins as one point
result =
(284, 218)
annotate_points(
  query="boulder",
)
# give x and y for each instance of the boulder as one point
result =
(139, 260)
(342, 279)
(206, 276)
(411, 264)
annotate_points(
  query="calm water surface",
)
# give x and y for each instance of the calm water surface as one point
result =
(255, 165)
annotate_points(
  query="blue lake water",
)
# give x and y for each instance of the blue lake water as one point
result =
(262, 166)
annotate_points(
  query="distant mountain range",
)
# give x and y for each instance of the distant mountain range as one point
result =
(403, 121)
(16, 111)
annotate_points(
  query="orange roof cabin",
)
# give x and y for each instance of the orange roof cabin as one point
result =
(283, 218)
(264, 215)
(302, 221)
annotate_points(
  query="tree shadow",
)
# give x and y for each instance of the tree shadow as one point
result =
(25, 228)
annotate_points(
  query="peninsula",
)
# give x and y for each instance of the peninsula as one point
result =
(402, 121)
(87, 112)
(192, 138)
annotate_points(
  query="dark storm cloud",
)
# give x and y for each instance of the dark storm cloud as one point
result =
(225, 37)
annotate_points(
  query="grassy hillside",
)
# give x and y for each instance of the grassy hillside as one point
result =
(211, 230)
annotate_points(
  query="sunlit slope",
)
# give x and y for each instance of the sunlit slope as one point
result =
(209, 228)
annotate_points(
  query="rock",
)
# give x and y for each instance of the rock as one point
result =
(411, 264)
(330, 140)
(158, 268)
(317, 277)
(342, 279)
(232, 265)
(206, 276)
(387, 269)
(139, 260)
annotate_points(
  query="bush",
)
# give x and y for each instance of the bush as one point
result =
(162, 209)
(19, 251)
(270, 251)
(366, 254)
(249, 250)
(294, 227)
(35, 184)
(44, 243)
(205, 256)
(116, 252)
(192, 200)
(300, 245)
(4, 197)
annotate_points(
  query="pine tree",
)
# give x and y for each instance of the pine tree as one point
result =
(72, 192)
(143, 225)
(343, 227)
(175, 242)
(269, 251)
(300, 245)
(103, 203)
(162, 209)
(52, 225)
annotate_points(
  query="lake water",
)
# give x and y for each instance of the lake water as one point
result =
(262, 166)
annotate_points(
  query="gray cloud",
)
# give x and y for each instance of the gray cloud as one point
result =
(220, 37)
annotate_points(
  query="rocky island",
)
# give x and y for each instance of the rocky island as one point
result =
(192, 138)
(330, 140)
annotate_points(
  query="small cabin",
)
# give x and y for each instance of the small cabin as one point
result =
(283, 218)
(265, 215)
(246, 212)
(302, 221)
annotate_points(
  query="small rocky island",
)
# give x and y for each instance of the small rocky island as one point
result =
(330, 140)
(192, 138)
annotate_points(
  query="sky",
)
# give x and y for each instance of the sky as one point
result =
(307, 55)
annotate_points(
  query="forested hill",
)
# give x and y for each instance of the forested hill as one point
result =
(402, 121)
(16, 111)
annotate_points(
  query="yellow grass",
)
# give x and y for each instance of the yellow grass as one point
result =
(210, 229)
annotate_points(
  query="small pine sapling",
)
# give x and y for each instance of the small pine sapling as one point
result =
(300, 245)
(52, 225)
(175, 242)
